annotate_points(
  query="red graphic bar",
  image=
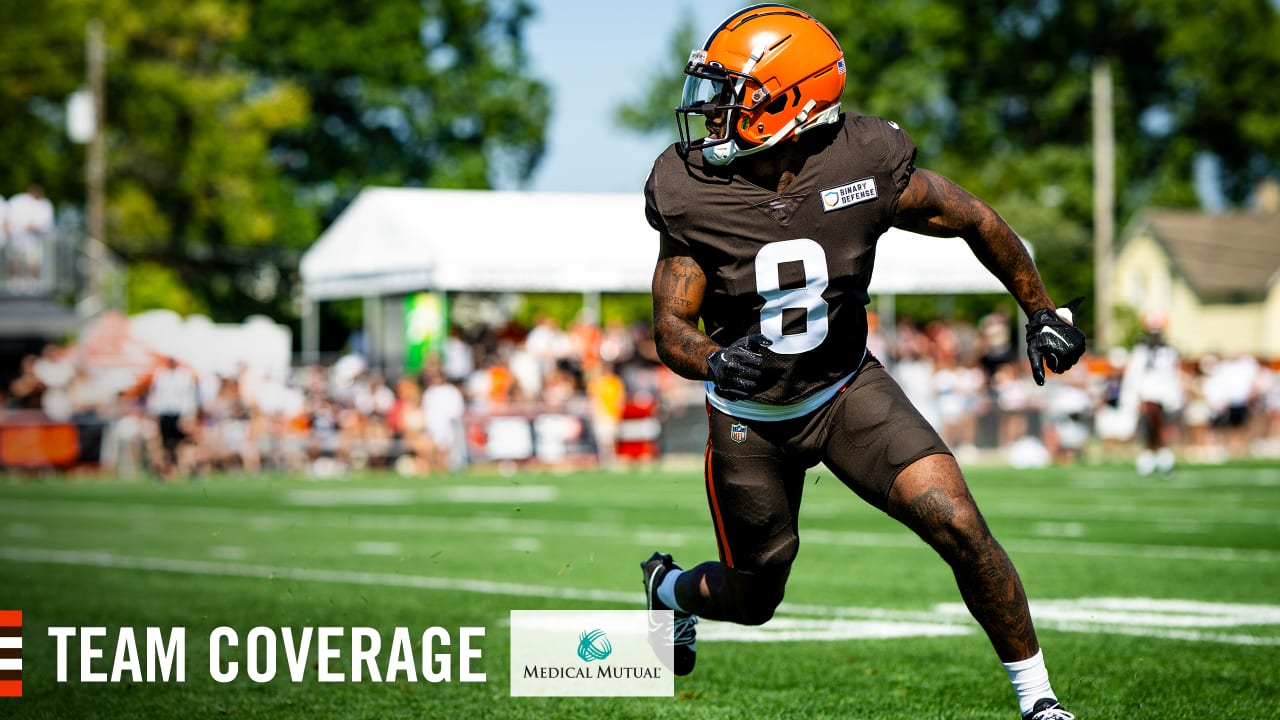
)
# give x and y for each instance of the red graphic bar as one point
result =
(11, 621)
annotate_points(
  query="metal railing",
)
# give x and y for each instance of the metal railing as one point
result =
(62, 266)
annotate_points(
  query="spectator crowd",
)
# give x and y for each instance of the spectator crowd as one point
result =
(1145, 405)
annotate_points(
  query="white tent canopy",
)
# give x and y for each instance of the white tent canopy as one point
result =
(394, 241)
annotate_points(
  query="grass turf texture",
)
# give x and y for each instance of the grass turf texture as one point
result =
(383, 552)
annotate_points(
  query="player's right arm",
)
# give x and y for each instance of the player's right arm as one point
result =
(678, 287)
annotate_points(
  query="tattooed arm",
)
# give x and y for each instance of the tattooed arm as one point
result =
(933, 205)
(678, 285)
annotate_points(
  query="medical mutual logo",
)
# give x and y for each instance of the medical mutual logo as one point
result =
(594, 645)
(10, 653)
(587, 653)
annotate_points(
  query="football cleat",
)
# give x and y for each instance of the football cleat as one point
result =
(1048, 709)
(681, 635)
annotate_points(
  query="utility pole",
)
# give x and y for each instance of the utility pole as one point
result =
(1104, 199)
(96, 55)
(95, 47)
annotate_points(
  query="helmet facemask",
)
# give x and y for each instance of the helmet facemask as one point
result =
(714, 94)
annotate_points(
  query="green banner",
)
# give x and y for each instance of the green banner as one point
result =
(426, 325)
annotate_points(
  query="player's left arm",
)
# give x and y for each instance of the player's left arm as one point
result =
(934, 205)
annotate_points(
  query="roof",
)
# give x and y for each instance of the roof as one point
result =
(401, 240)
(1222, 256)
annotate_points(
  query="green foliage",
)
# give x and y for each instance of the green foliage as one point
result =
(404, 93)
(155, 287)
(651, 111)
(998, 97)
(626, 308)
(1129, 326)
(237, 128)
(564, 308)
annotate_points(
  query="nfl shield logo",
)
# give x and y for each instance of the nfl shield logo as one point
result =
(738, 432)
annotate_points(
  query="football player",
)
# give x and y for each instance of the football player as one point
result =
(768, 228)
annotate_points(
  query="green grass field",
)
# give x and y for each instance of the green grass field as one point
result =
(1155, 598)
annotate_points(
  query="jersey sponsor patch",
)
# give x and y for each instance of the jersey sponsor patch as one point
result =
(856, 192)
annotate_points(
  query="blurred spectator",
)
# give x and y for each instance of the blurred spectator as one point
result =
(226, 433)
(30, 218)
(4, 234)
(55, 370)
(132, 442)
(26, 391)
(995, 342)
(1201, 442)
(408, 423)
(172, 400)
(443, 407)
(373, 397)
(617, 346)
(459, 362)
(1230, 389)
(329, 420)
(608, 397)
(960, 392)
(1153, 377)
(584, 339)
(913, 369)
(1066, 427)
(548, 344)
(1115, 417)
(877, 343)
(1012, 385)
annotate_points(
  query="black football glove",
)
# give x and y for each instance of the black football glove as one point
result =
(737, 369)
(1052, 340)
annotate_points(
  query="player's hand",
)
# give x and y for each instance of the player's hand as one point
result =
(737, 369)
(1052, 340)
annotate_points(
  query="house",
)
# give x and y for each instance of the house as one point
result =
(1214, 277)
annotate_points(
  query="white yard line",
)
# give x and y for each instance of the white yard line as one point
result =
(641, 535)
(1142, 617)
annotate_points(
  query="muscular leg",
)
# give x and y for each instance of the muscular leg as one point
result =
(930, 497)
(715, 591)
(753, 490)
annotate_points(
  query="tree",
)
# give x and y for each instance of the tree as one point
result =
(996, 96)
(404, 92)
(236, 128)
(651, 110)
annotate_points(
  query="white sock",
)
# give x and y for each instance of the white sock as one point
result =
(667, 590)
(1030, 680)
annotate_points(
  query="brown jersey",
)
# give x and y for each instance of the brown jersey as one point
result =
(795, 266)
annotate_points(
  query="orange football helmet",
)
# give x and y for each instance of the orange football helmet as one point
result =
(768, 72)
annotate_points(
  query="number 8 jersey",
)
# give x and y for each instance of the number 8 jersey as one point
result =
(794, 266)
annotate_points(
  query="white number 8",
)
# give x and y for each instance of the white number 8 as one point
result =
(807, 297)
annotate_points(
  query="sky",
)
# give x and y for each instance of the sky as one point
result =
(596, 55)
